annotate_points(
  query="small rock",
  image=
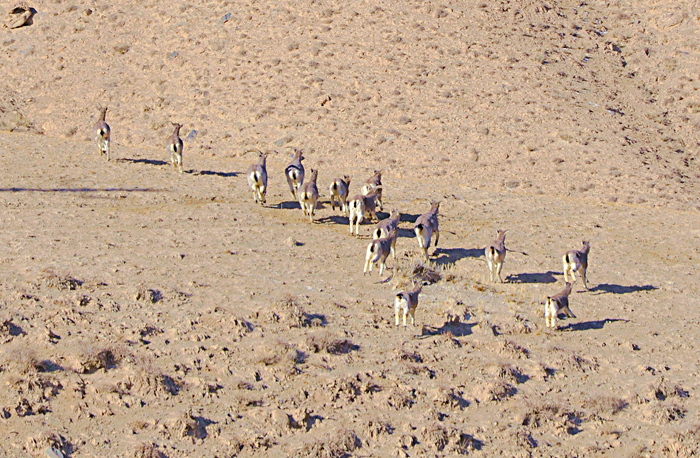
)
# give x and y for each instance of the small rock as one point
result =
(53, 453)
(284, 140)
(291, 242)
(19, 15)
(281, 419)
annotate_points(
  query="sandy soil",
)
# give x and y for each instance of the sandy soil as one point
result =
(146, 314)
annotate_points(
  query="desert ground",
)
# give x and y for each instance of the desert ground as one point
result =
(144, 313)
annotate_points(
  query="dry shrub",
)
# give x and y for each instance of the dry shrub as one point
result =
(94, 358)
(150, 380)
(664, 389)
(444, 338)
(464, 444)
(661, 413)
(515, 325)
(455, 312)
(410, 356)
(238, 328)
(148, 450)
(507, 372)
(22, 360)
(287, 311)
(345, 389)
(399, 399)
(35, 389)
(326, 341)
(39, 443)
(334, 445)
(378, 428)
(541, 412)
(414, 270)
(568, 360)
(435, 436)
(449, 397)
(144, 294)
(242, 400)
(281, 355)
(498, 391)
(9, 330)
(684, 443)
(484, 323)
(62, 282)
(33, 393)
(523, 438)
(421, 371)
(190, 425)
(513, 349)
(608, 405)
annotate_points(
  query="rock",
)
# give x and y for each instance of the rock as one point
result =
(19, 15)
(53, 453)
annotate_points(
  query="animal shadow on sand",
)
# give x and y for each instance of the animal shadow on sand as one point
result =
(544, 277)
(217, 174)
(289, 205)
(407, 218)
(588, 325)
(456, 329)
(80, 190)
(449, 256)
(620, 289)
(143, 161)
(335, 219)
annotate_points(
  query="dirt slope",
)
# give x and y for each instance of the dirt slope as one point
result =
(143, 313)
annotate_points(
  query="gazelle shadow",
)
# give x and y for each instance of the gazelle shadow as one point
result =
(456, 329)
(620, 289)
(336, 219)
(289, 205)
(449, 256)
(544, 277)
(142, 161)
(407, 217)
(218, 174)
(588, 325)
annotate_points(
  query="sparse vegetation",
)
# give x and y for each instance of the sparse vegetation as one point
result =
(336, 444)
(94, 358)
(329, 343)
(414, 269)
(148, 314)
(61, 282)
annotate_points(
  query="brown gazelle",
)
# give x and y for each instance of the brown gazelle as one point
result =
(577, 261)
(361, 207)
(406, 303)
(495, 255)
(555, 304)
(385, 226)
(308, 195)
(102, 133)
(378, 250)
(339, 190)
(295, 173)
(257, 178)
(175, 148)
(426, 224)
(374, 185)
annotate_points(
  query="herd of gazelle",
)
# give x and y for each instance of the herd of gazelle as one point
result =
(364, 206)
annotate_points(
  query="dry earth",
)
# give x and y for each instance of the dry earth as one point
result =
(146, 314)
